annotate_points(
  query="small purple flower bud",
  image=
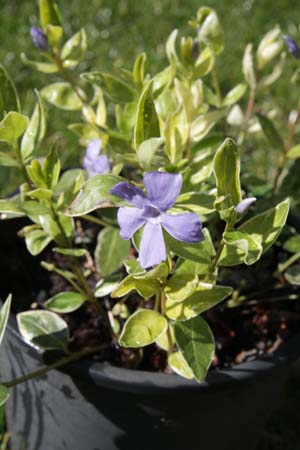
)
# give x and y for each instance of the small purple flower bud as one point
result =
(39, 39)
(195, 50)
(244, 205)
(292, 46)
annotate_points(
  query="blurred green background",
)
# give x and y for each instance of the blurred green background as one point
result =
(118, 30)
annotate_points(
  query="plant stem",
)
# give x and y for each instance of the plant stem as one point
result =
(286, 148)
(288, 263)
(163, 311)
(23, 168)
(67, 78)
(61, 362)
(217, 256)
(250, 106)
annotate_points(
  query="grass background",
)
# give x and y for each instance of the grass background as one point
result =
(118, 30)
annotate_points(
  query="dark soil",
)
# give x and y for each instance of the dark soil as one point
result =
(256, 326)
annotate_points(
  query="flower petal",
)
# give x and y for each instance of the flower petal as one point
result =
(152, 246)
(93, 149)
(163, 188)
(130, 194)
(96, 166)
(130, 220)
(183, 227)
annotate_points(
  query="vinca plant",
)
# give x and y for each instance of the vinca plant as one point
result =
(160, 180)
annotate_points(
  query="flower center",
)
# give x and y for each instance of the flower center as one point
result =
(151, 214)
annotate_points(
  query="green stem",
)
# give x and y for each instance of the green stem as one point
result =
(288, 263)
(163, 300)
(62, 362)
(67, 78)
(286, 148)
(217, 256)
(23, 168)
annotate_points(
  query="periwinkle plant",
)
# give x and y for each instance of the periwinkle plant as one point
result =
(156, 174)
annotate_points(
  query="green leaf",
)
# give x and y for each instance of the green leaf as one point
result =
(9, 100)
(201, 252)
(266, 226)
(37, 241)
(8, 161)
(270, 132)
(139, 69)
(54, 35)
(105, 286)
(235, 94)
(227, 173)
(147, 122)
(74, 49)
(179, 365)
(152, 155)
(204, 297)
(204, 63)
(269, 47)
(197, 202)
(294, 152)
(4, 315)
(12, 127)
(196, 342)
(63, 96)
(77, 252)
(209, 29)
(95, 194)
(4, 394)
(292, 244)
(116, 88)
(111, 251)
(51, 169)
(49, 13)
(44, 67)
(142, 328)
(146, 288)
(65, 302)
(255, 236)
(248, 67)
(292, 275)
(35, 131)
(180, 286)
(239, 248)
(43, 329)
(171, 47)
(204, 123)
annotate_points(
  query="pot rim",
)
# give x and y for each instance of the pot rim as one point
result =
(105, 375)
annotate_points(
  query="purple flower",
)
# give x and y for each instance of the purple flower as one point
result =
(292, 46)
(150, 210)
(244, 205)
(93, 162)
(39, 39)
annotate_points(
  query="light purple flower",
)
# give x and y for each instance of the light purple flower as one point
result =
(244, 205)
(292, 46)
(39, 39)
(150, 210)
(93, 162)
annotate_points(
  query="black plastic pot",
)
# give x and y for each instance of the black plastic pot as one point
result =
(94, 406)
